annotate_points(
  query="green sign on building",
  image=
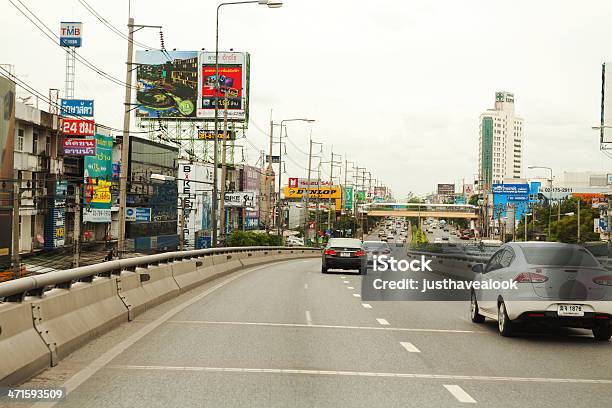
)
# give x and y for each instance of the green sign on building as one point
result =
(348, 198)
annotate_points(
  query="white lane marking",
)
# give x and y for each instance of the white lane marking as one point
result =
(382, 322)
(350, 287)
(308, 318)
(305, 286)
(327, 326)
(409, 347)
(366, 305)
(88, 371)
(357, 295)
(460, 394)
(346, 281)
(343, 277)
(364, 374)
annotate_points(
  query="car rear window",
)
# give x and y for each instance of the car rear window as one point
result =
(560, 256)
(344, 242)
(374, 245)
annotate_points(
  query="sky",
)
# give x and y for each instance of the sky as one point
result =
(394, 86)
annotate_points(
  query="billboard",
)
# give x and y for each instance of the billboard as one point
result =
(195, 199)
(138, 214)
(98, 176)
(167, 84)
(78, 107)
(77, 127)
(348, 198)
(233, 85)
(240, 199)
(210, 134)
(71, 33)
(304, 182)
(314, 192)
(516, 190)
(7, 132)
(79, 147)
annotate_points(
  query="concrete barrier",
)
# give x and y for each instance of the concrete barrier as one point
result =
(68, 318)
(226, 263)
(22, 350)
(139, 295)
(194, 272)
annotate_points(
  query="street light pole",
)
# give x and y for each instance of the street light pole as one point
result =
(270, 4)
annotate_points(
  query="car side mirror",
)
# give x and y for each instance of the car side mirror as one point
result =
(478, 268)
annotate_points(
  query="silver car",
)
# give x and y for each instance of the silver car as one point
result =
(556, 284)
(375, 248)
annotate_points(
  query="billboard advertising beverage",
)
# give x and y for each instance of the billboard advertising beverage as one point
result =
(98, 175)
(167, 84)
(233, 85)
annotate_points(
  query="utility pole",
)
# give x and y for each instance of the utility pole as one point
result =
(223, 174)
(125, 144)
(318, 196)
(77, 226)
(270, 182)
(307, 191)
(279, 221)
(16, 230)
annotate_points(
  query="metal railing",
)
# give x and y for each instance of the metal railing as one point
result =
(15, 290)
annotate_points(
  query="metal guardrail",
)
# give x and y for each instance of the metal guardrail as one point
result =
(16, 290)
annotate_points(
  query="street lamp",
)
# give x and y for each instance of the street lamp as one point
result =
(280, 174)
(549, 193)
(270, 4)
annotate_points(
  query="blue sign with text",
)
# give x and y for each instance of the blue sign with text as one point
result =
(78, 107)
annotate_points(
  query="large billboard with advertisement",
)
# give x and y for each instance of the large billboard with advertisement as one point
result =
(233, 84)
(195, 200)
(167, 84)
(314, 192)
(98, 174)
(7, 132)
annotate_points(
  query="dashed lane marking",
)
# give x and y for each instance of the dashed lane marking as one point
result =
(460, 394)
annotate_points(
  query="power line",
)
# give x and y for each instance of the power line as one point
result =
(55, 39)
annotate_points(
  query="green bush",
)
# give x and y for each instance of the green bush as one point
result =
(250, 238)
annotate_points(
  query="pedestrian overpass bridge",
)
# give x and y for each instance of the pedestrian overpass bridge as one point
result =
(420, 210)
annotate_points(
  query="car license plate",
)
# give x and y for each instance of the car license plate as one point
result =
(345, 254)
(570, 310)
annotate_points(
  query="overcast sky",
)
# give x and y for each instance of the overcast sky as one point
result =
(395, 86)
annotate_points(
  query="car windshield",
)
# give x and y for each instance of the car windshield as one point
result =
(559, 256)
(344, 242)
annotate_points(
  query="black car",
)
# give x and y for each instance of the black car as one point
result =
(344, 253)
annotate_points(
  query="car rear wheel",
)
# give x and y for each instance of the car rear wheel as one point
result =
(504, 324)
(602, 333)
(476, 317)
(323, 269)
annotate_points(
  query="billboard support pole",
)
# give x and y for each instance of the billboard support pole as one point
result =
(125, 148)
(77, 227)
(223, 175)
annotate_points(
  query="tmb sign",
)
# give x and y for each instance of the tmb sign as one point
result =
(70, 33)
(77, 127)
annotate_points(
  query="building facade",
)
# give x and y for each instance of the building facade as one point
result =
(500, 144)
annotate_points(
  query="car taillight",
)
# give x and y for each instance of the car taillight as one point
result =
(530, 277)
(359, 252)
(330, 252)
(386, 252)
(605, 280)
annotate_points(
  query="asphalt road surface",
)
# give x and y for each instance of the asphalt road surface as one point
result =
(286, 335)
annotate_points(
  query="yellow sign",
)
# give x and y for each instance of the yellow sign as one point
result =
(314, 192)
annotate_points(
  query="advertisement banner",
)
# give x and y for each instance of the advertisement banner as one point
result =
(240, 199)
(194, 199)
(275, 159)
(78, 107)
(233, 85)
(446, 189)
(138, 214)
(303, 182)
(59, 229)
(79, 147)
(511, 189)
(7, 138)
(314, 192)
(77, 127)
(348, 198)
(71, 33)
(167, 84)
(98, 175)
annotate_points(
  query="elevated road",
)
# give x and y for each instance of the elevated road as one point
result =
(285, 335)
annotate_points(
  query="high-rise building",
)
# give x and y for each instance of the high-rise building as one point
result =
(500, 146)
